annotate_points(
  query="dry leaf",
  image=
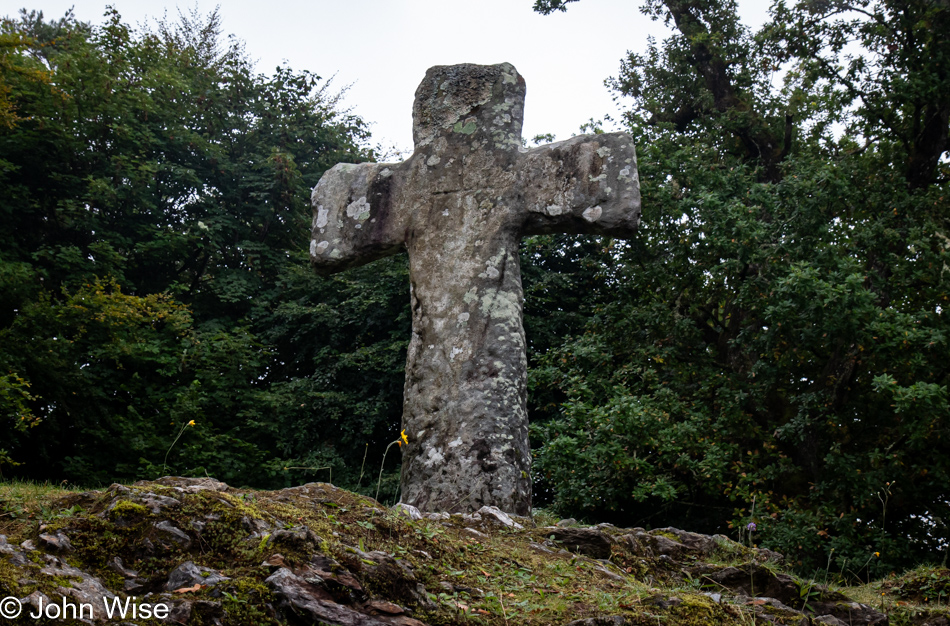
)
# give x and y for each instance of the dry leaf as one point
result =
(197, 587)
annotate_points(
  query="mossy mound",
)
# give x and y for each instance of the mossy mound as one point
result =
(316, 554)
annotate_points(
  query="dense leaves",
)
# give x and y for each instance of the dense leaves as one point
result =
(153, 263)
(773, 346)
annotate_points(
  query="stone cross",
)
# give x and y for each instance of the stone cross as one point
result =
(460, 204)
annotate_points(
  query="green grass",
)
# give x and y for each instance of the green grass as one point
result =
(498, 580)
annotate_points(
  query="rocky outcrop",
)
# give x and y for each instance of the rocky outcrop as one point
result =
(199, 552)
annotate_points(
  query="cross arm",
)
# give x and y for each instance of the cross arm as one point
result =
(587, 185)
(354, 216)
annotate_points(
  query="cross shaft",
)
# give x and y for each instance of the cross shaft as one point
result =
(460, 205)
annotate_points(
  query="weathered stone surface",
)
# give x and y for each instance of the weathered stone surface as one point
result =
(654, 544)
(499, 517)
(849, 612)
(477, 534)
(607, 620)
(298, 537)
(460, 204)
(185, 484)
(703, 545)
(300, 596)
(168, 532)
(771, 611)
(83, 588)
(587, 541)
(347, 585)
(57, 542)
(336, 577)
(188, 575)
(408, 510)
(151, 501)
(180, 612)
(756, 580)
(116, 565)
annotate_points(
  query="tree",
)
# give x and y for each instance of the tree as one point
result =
(154, 202)
(770, 348)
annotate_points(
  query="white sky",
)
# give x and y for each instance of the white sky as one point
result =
(382, 48)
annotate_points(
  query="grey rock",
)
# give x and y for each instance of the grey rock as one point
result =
(568, 522)
(132, 587)
(37, 600)
(761, 580)
(460, 204)
(57, 542)
(607, 620)
(537, 547)
(663, 602)
(119, 568)
(184, 611)
(171, 532)
(496, 516)
(588, 541)
(381, 570)
(664, 546)
(847, 611)
(764, 555)
(180, 613)
(188, 575)
(154, 502)
(298, 596)
(255, 527)
(611, 575)
(274, 561)
(299, 537)
(777, 609)
(335, 575)
(185, 484)
(471, 532)
(703, 545)
(84, 587)
(408, 510)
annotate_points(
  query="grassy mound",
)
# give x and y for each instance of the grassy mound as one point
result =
(318, 554)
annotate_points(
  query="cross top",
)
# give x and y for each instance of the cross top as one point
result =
(462, 103)
(460, 205)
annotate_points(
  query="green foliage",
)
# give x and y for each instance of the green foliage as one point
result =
(154, 205)
(772, 338)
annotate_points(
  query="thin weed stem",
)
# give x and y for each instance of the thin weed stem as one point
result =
(165, 461)
(365, 452)
(381, 465)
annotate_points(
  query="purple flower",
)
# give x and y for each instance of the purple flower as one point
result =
(750, 526)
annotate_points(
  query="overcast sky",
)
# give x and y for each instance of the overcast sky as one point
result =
(381, 49)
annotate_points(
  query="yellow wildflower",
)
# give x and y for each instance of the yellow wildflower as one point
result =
(191, 423)
(402, 438)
